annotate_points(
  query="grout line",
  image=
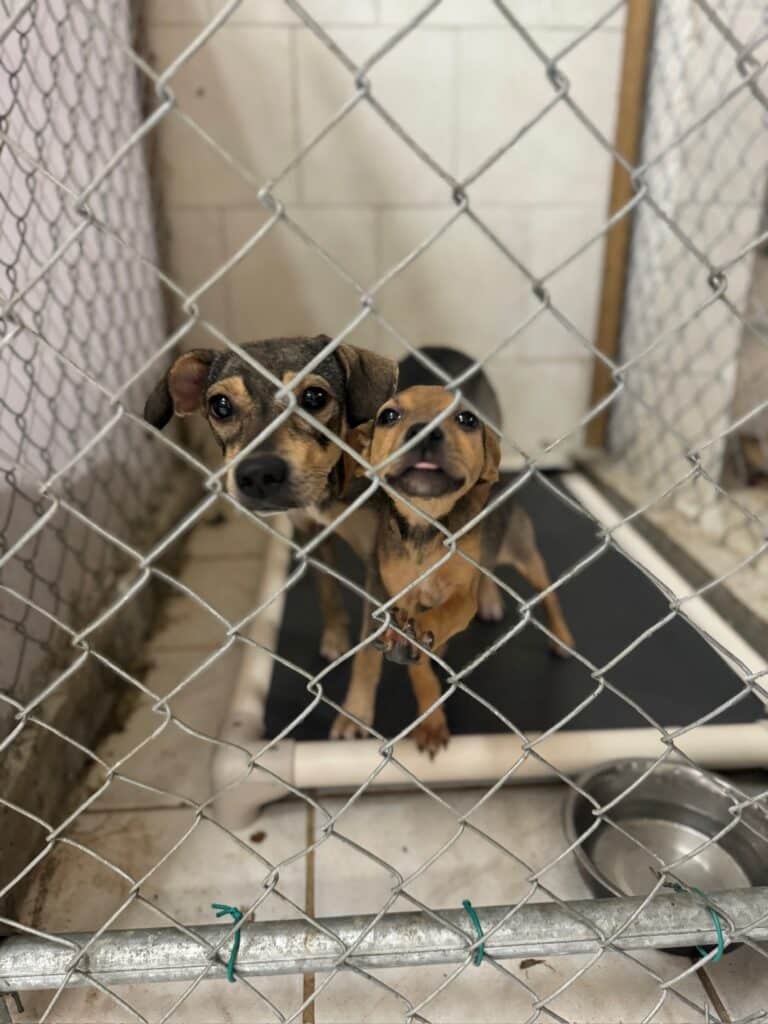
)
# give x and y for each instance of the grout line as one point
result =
(388, 23)
(373, 204)
(455, 104)
(295, 109)
(378, 245)
(140, 808)
(222, 239)
(308, 1016)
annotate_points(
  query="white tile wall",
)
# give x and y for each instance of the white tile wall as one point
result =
(450, 12)
(326, 12)
(557, 233)
(179, 12)
(460, 84)
(542, 402)
(461, 291)
(197, 247)
(501, 85)
(363, 161)
(238, 88)
(533, 13)
(284, 288)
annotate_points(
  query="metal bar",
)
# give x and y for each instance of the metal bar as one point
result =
(412, 939)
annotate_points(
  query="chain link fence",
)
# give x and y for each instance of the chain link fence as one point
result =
(75, 257)
(87, 529)
(702, 387)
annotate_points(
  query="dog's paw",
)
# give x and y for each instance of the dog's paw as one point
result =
(344, 728)
(490, 603)
(431, 735)
(334, 641)
(402, 649)
(563, 649)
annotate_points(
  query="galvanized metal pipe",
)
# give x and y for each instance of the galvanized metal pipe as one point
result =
(410, 939)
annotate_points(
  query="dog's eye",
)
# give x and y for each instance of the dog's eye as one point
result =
(387, 417)
(314, 398)
(220, 407)
(467, 419)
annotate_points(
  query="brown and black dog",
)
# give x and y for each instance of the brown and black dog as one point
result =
(450, 474)
(297, 468)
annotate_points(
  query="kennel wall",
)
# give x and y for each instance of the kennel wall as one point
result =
(306, 191)
(82, 314)
(694, 366)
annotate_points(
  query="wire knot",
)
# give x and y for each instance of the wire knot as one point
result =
(715, 920)
(221, 910)
(480, 951)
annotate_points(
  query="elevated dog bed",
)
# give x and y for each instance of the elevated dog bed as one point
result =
(672, 677)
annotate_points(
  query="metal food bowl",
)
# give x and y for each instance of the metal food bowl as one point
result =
(676, 810)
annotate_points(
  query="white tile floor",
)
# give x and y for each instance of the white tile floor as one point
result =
(185, 863)
(405, 831)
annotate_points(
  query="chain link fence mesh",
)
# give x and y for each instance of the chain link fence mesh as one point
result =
(84, 338)
(70, 309)
(703, 387)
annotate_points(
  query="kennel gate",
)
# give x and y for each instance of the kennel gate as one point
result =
(86, 208)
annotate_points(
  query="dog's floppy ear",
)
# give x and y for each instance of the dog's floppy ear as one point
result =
(371, 380)
(490, 472)
(182, 388)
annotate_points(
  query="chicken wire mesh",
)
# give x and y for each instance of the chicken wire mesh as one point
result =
(78, 547)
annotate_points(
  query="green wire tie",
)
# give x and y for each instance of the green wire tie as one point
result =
(222, 909)
(480, 951)
(715, 920)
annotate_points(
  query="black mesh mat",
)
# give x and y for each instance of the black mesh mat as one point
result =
(673, 675)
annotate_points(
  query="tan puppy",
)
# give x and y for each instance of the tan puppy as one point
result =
(450, 475)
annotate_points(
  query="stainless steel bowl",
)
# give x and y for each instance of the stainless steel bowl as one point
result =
(675, 811)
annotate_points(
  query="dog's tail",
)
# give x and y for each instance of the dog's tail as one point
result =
(478, 388)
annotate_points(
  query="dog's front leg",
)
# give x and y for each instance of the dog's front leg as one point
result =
(434, 627)
(335, 639)
(433, 733)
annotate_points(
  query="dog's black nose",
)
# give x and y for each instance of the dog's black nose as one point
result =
(259, 476)
(435, 435)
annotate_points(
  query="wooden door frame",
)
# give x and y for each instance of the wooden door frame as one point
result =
(630, 119)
